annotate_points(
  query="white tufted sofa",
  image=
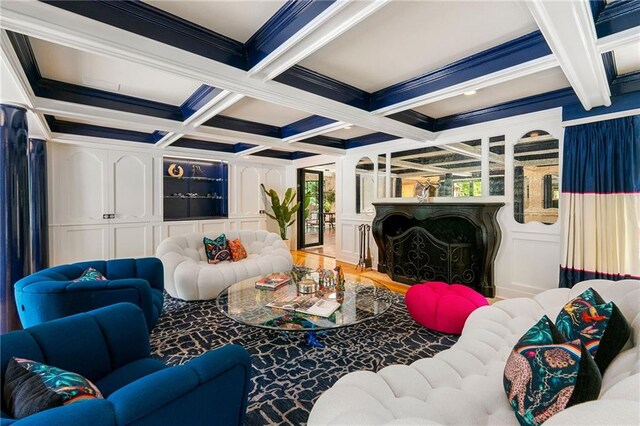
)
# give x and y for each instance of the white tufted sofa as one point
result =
(463, 385)
(188, 276)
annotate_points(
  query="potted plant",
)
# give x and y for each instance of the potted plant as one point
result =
(284, 213)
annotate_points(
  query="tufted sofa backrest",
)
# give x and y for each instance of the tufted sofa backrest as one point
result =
(191, 245)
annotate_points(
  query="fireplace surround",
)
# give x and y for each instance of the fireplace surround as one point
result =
(450, 242)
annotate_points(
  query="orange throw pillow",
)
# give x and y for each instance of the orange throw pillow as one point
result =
(237, 250)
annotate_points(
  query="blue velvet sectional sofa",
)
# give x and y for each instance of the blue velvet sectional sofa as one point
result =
(51, 293)
(110, 347)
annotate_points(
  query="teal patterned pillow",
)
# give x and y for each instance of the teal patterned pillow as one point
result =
(600, 326)
(91, 274)
(544, 374)
(216, 249)
(31, 387)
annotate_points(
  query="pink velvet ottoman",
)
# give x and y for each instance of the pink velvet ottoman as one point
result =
(442, 307)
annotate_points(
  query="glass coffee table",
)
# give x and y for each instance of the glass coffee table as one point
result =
(243, 302)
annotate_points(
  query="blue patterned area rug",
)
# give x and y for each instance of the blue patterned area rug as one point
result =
(288, 375)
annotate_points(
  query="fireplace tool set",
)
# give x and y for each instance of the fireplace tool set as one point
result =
(365, 249)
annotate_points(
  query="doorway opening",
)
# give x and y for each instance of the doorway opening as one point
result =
(318, 231)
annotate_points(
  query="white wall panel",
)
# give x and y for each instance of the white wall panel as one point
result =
(131, 240)
(132, 186)
(217, 227)
(248, 194)
(85, 242)
(171, 229)
(83, 195)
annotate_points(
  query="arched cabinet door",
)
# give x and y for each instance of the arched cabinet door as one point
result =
(82, 194)
(131, 182)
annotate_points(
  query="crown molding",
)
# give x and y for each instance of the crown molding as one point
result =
(618, 16)
(569, 30)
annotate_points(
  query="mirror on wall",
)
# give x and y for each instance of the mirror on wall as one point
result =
(536, 188)
(364, 186)
(382, 176)
(448, 171)
(496, 165)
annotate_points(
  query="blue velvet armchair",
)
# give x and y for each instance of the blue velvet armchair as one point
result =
(110, 347)
(51, 293)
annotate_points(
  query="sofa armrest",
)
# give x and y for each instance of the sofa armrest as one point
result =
(212, 387)
(95, 412)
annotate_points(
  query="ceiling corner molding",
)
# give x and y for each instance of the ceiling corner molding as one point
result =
(570, 32)
(309, 126)
(618, 16)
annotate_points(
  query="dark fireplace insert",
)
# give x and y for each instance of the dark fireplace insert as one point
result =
(450, 242)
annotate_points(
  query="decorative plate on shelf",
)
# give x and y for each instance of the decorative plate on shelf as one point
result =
(175, 170)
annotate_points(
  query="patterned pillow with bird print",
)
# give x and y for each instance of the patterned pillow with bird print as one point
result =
(600, 326)
(545, 374)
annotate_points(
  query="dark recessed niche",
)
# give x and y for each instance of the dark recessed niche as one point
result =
(195, 189)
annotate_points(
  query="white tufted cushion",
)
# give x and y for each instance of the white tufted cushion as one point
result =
(188, 276)
(463, 385)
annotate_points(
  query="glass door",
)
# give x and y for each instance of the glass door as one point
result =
(310, 186)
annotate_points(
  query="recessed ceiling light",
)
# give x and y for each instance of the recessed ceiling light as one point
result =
(470, 92)
(347, 127)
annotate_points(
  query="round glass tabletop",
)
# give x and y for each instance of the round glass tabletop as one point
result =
(243, 302)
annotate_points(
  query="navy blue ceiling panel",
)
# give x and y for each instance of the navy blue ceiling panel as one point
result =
(369, 140)
(198, 99)
(61, 126)
(304, 125)
(619, 103)
(522, 49)
(148, 21)
(627, 83)
(415, 118)
(239, 147)
(240, 125)
(314, 82)
(283, 155)
(205, 145)
(609, 66)
(618, 16)
(325, 141)
(290, 19)
(527, 105)
(27, 58)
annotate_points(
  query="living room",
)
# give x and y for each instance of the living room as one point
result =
(492, 145)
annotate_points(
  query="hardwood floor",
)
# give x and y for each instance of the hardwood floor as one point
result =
(315, 261)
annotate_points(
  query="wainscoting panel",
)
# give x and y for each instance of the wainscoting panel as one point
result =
(171, 229)
(131, 202)
(83, 242)
(217, 227)
(131, 240)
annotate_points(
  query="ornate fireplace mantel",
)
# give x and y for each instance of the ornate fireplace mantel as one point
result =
(451, 242)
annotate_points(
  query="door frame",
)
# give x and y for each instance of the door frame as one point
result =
(302, 244)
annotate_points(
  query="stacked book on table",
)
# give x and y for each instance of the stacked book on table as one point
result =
(273, 281)
(309, 305)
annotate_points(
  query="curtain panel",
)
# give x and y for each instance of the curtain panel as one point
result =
(600, 199)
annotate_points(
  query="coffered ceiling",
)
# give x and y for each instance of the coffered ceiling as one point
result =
(291, 79)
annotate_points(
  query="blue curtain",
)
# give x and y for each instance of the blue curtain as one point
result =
(601, 201)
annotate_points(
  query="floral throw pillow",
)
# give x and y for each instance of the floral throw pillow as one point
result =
(31, 387)
(600, 326)
(91, 274)
(216, 249)
(237, 250)
(544, 374)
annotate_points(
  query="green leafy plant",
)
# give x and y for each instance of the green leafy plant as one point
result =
(284, 213)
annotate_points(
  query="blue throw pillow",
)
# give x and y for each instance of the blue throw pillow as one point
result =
(600, 326)
(216, 249)
(31, 387)
(544, 374)
(91, 274)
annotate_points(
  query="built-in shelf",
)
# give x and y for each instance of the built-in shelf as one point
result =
(195, 177)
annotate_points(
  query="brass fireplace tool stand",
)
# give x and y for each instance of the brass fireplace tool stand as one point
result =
(364, 262)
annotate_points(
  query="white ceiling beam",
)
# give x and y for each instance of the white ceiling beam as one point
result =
(168, 139)
(145, 123)
(334, 21)
(487, 80)
(316, 132)
(207, 107)
(619, 39)
(12, 63)
(207, 112)
(59, 26)
(250, 151)
(568, 28)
